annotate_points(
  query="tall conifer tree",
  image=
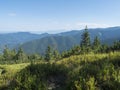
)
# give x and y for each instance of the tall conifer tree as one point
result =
(48, 54)
(85, 41)
(96, 44)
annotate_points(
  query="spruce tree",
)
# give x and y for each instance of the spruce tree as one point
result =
(6, 53)
(116, 45)
(104, 48)
(48, 54)
(56, 55)
(96, 44)
(20, 55)
(76, 50)
(85, 41)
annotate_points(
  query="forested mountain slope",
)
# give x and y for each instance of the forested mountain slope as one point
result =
(66, 40)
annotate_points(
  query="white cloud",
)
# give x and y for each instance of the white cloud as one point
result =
(52, 27)
(92, 25)
(80, 25)
(12, 14)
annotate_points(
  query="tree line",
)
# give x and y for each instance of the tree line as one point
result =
(86, 46)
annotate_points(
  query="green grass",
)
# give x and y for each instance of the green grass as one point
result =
(10, 71)
(76, 64)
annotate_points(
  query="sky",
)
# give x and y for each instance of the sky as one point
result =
(52, 16)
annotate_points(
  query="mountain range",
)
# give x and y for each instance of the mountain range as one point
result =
(12, 40)
(37, 43)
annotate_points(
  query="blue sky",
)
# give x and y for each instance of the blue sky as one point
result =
(54, 16)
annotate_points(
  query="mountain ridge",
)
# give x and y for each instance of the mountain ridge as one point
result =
(65, 40)
(61, 41)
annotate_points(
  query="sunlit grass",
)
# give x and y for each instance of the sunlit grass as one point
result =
(9, 72)
(72, 62)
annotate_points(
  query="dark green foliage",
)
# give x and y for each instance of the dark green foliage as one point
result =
(56, 55)
(48, 54)
(2, 71)
(116, 46)
(96, 44)
(75, 50)
(85, 41)
(35, 57)
(13, 56)
(97, 75)
(40, 77)
(74, 74)
(21, 55)
(104, 48)
(8, 54)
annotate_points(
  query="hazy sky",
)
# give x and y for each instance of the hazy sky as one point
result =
(57, 15)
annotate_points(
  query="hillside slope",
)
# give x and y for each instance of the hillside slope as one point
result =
(14, 39)
(60, 43)
(78, 72)
(66, 40)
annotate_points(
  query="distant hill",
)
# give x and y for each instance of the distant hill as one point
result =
(14, 39)
(60, 43)
(66, 40)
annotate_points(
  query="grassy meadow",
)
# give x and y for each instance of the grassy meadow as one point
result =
(81, 72)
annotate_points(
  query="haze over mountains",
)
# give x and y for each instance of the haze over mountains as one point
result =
(37, 43)
(14, 39)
